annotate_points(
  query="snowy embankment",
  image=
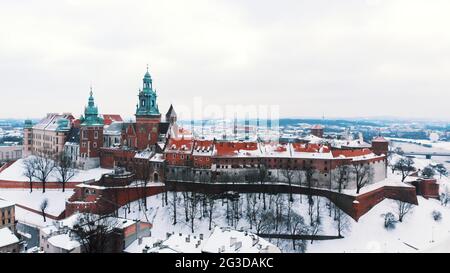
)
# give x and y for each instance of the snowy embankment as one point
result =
(418, 231)
(15, 172)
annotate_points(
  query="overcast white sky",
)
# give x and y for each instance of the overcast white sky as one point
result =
(337, 58)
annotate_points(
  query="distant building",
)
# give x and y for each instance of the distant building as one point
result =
(48, 136)
(7, 215)
(10, 152)
(222, 240)
(317, 130)
(121, 233)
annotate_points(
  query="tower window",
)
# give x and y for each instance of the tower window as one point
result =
(143, 103)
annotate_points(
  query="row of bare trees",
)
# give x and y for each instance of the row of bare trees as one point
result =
(40, 168)
(279, 216)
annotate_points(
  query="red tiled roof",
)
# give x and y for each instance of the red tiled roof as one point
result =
(182, 145)
(109, 118)
(231, 148)
(203, 143)
(310, 148)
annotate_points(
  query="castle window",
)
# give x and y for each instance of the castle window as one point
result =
(95, 134)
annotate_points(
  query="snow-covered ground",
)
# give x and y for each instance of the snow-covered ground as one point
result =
(416, 233)
(56, 198)
(444, 145)
(16, 170)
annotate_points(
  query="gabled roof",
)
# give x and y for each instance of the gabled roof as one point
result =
(180, 145)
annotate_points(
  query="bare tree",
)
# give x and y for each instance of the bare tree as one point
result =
(297, 226)
(341, 176)
(289, 174)
(29, 171)
(262, 178)
(211, 200)
(440, 168)
(428, 172)
(403, 209)
(309, 172)
(44, 166)
(64, 169)
(174, 202)
(94, 232)
(341, 221)
(363, 175)
(192, 208)
(406, 166)
(264, 221)
(43, 207)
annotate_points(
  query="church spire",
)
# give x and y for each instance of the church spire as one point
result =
(91, 112)
(147, 98)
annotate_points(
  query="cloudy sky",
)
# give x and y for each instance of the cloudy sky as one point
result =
(353, 58)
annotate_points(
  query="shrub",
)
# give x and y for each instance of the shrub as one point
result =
(437, 215)
(389, 221)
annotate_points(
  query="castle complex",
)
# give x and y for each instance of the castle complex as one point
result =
(158, 150)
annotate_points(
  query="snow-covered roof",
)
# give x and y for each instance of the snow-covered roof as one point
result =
(145, 154)
(5, 203)
(145, 244)
(227, 240)
(354, 143)
(64, 241)
(157, 158)
(7, 237)
(183, 243)
(52, 122)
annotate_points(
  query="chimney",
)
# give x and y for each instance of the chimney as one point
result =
(140, 241)
(201, 236)
(188, 239)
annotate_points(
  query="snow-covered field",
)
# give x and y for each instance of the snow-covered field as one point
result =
(56, 198)
(16, 170)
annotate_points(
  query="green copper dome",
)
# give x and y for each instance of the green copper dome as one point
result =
(91, 117)
(28, 123)
(147, 105)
